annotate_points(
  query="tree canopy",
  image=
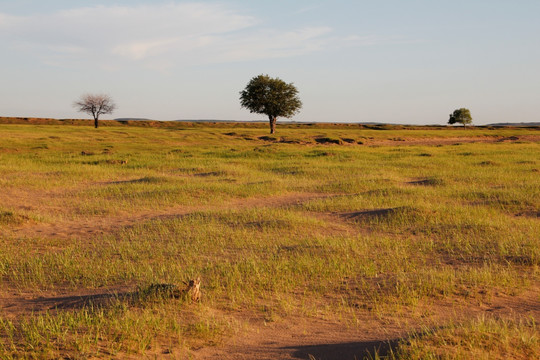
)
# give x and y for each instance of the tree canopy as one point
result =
(272, 97)
(95, 105)
(460, 116)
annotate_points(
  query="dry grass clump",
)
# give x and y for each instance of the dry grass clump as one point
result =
(11, 218)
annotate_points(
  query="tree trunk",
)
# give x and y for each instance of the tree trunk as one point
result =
(272, 123)
(96, 122)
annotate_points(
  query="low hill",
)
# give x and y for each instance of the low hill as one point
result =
(521, 124)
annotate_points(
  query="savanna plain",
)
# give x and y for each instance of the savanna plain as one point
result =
(319, 242)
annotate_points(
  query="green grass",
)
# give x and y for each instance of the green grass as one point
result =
(276, 227)
(482, 338)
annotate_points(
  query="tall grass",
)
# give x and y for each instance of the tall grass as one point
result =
(273, 227)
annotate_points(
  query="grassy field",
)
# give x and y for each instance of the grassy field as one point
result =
(402, 244)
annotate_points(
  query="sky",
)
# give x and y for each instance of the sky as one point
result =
(391, 61)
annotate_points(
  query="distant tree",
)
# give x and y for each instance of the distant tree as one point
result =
(95, 105)
(272, 97)
(460, 116)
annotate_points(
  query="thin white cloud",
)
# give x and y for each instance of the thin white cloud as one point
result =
(274, 44)
(141, 49)
(308, 9)
(155, 36)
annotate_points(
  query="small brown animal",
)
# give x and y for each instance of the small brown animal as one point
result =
(121, 162)
(193, 288)
(191, 291)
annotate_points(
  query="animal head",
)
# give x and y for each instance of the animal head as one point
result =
(195, 283)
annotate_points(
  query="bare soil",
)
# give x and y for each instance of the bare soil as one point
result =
(97, 225)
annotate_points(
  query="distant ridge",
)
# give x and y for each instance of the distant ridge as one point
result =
(132, 119)
(516, 124)
(144, 122)
(217, 120)
(280, 121)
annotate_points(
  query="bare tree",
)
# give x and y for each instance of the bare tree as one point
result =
(95, 105)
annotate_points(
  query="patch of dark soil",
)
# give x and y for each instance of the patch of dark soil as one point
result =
(39, 147)
(269, 224)
(145, 180)
(109, 162)
(393, 217)
(211, 173)
(531, 214)
(317, 153)
(348, 140)
(10, 218)
(427, 182)
(376, 213)
(344, 351)
(522, 259)
(510, 138)
(526, 162)
(259, 182)
(25, 305)
(327, 140)
(488, 163)
(300, 249)
(267, 138)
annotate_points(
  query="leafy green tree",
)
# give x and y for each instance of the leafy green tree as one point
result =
(460, 116)
(272, 97)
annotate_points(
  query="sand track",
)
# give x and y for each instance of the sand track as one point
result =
(97, 225)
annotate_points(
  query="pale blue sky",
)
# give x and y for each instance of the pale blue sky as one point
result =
(407, 61)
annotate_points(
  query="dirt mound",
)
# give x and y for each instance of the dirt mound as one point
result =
(327, 140)
(427, 182)
(376, 213)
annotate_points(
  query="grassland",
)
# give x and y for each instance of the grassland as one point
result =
(334, 242)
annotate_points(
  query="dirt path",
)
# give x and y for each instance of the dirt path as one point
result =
(98, 225)
(308, 338)
(298, 338)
